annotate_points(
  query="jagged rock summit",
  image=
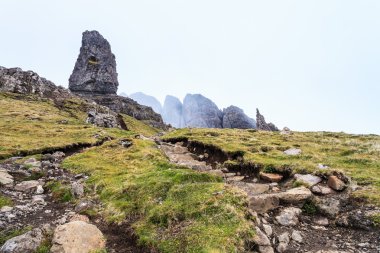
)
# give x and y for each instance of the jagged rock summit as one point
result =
(234, 117)
(199, 111)
(261, 124)
(94, 77)
(95, 69)
(147, 100)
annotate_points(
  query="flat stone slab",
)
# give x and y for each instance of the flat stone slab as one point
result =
(308, 179)
(295, 195)
(271, 177)
(264, 202)
(27, 185)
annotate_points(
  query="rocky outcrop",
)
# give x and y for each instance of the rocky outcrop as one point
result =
(262, 125)
(94, 77)
(25, 243)
(95, 69)
(147, 100)
(199, 111)
(16, 80)
(234, 117)
(172, 112)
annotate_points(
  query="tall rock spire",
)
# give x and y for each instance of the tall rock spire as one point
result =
(262, 125)
(95, 69)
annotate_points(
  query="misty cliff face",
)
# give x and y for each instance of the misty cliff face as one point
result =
(234, 117)
(172, 112)
(147, 100)
(199, 111)
(95, 68)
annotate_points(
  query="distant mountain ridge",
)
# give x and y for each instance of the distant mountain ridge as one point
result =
(199, 111)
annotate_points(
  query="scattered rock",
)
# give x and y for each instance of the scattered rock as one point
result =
(126, 143)
(39, 189)
(307, 179)
(101, 119)
(77, 189)
(271, 177)
(293, 151)
(5, 178)
(260, 238)
(25, 243)
(322, 166)
(296, 236)
(255, 189)
(267, 229)
(321, 190)
(264, 202)
(321, 221)
(289, 216)
(26, 186)
(78, 237)
(83, 205)
(335, 183)
(283, 242)
(38, 199)
(285, 131)
(5, 209)
(295, 195)
(328, 206)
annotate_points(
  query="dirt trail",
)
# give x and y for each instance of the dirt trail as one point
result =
(286, 219)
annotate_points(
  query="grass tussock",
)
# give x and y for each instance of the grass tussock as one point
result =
(356, 155)
(5, 201)
(178, 210)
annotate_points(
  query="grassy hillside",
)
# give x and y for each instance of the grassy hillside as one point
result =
(356, 155)
(178, 210)
(173, 209)
(31, 125)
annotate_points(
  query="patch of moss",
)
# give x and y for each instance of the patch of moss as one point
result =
(309, 208)
(376, 219)
(60, 192)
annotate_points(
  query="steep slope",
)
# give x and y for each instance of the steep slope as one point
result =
(147, 100)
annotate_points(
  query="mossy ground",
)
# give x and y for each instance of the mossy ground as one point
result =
(356, 155)
(5, 201)
(179, 210)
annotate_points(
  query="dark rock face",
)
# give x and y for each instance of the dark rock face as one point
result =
(199, 111)
(147, 100)
(234, 117)
(16, 80)
(172, 112)
(130, 107)
(95, 69)
(94, 77)
(262, 125)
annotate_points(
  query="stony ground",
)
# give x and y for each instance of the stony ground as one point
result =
(289, 216)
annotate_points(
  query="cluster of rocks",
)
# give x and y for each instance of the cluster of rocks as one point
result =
(296, 212)
(15, 80)
(95, 78)
(34, 206)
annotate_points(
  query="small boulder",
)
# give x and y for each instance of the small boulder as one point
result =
(289, 216)
(321, 190)
(307, 179)
(297, 236)
(283, 242)
(39, 189)
(5, 178)
(335, 183)
(25, 243)
(268, 229)
(328, 206)
(296, 195)
(77, 189)
(321, 221)
(80, 217)
(271, 177)
(83, 205)
(5, 209)
(264, 202)
(285, 131)
(293, 151)
(27, 186)
(77, 237)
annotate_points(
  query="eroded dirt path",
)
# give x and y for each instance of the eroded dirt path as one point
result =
(287, 220)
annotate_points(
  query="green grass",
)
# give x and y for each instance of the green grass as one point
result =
(60, 192)
(178, 210)
(31, 125)
(356, 155)
(5, 201)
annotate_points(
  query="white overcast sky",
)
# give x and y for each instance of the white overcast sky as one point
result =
(307, 64)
